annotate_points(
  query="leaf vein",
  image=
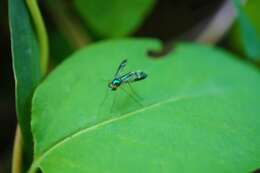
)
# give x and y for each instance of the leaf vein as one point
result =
(109, 121)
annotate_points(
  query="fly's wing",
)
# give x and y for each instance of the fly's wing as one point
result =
(133, 76)
(120, 68)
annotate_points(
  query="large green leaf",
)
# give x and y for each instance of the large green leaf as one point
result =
(200, 112)
(113, 18)
(26, 65)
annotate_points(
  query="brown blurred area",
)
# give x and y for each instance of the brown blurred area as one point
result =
(171, 19)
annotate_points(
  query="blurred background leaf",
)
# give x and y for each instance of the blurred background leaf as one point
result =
(59, 47)
(113, 18)
(245, 36)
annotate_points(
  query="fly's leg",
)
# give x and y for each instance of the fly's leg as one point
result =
(105, 97)
(133, 91)
(128, 93)
(113, 103)
(103, 101)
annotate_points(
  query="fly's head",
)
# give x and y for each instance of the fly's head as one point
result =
(114, 84)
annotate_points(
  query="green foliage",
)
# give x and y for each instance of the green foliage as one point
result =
(113, 18)
(200, 112)
(59, 47)
(247, 29)
(252, 10)
(26, 65)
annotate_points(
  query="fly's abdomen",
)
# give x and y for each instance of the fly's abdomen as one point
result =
(140, 75)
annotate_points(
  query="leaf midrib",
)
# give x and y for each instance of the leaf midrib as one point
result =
(109, 121)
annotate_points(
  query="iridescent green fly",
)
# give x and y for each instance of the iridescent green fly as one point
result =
(126, 78)
(120, 79)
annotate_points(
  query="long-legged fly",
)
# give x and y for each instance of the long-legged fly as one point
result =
(120, 79)
(126, 78)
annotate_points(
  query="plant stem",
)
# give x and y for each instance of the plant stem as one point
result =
(17, 152)
(41, 34)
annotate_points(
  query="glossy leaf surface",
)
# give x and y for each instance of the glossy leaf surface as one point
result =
(200, 112)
